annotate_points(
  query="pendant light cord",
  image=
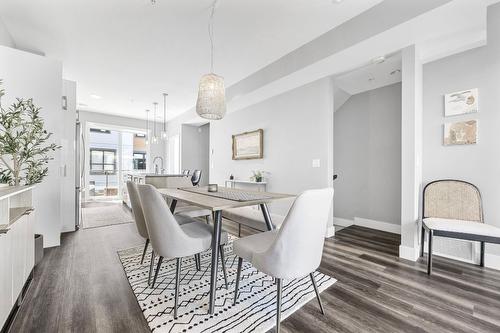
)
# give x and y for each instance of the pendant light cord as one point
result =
(155, 105)
(165, 112)
(211, 34)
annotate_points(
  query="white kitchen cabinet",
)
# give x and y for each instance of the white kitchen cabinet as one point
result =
(17, 253)
(29, 261)
(5, 278)
(17, 249)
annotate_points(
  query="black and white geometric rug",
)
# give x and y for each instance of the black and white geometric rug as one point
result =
(255, 311)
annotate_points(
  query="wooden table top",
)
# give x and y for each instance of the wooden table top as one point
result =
(214, 203)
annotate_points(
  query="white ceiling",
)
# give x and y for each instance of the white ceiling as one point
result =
(129, 51)
(372, 76)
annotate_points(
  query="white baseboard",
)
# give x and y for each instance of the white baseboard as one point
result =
(67, 229)
(330, 231)
(341, 222)
(409, 253)
(492, 261)
(379, 225)
(367, 223)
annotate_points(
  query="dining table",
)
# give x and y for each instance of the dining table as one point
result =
(222, 199)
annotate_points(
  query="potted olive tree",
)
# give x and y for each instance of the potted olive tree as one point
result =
(24, 143)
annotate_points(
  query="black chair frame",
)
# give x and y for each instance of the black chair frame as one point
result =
(450, 234)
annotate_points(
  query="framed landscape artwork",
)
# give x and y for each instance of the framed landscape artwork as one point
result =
(248, 145)
(460, 133)
(461, 102)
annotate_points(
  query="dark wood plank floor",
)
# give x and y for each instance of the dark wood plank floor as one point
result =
(81, 287)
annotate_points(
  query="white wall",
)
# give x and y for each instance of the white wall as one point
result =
(68, 181)
(411, 151)
(367, 156)
(295, 133)
(27, 75)
(195, 148)
(5, 37)
(480, 163)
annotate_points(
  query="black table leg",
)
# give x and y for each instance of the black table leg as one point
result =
(172, 205)
(215, 257)
(267, 216)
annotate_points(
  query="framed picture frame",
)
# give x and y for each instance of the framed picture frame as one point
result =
(461, 102)
(248, 145)
(460, 133)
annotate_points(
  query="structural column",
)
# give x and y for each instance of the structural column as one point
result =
(411, 154)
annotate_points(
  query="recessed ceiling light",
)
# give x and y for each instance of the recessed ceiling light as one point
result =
(335, 2)
(94, 96)
(378, 60)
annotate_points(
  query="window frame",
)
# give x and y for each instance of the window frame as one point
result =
(103, 171)
(144, 159)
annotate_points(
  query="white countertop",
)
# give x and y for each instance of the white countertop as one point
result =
(155, 175)
(9, 191)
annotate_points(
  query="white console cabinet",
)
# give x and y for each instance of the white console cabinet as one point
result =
(17, 252)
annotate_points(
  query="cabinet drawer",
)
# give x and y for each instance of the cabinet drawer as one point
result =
(5, 278)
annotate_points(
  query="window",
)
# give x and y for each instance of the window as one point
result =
(102, 161)
(139, 161)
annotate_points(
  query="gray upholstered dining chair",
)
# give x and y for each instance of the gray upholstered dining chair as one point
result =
(293, 251)
(454, 209)
(185, 172)
(142, 227)
(170, 239)
(138, 215)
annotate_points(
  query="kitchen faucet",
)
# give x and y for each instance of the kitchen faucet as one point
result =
(156, 165)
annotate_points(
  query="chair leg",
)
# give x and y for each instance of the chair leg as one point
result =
(429, 254)
(239, 230)
(151, 266)
(422, 241)
(197, 261)
(482, 255)
(157, 271)
(207, 219)
(177, 279)
(237, 282)
(278, 305)
(144, 252)
(221, 251)
(317, 293)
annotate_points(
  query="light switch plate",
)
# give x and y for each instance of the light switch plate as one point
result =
(316, 163)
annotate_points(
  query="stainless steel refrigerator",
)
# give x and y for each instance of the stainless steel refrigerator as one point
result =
(80, 172)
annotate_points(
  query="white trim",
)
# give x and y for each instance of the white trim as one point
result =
(330, 231)
(492, 261)
(409, 253)
(367, 223)
(341, 222)
(378, 225)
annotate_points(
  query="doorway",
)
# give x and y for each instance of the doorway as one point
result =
(112, 153)
(367, 146)
(195, 150)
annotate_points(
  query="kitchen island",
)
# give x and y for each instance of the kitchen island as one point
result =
(157, 180)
